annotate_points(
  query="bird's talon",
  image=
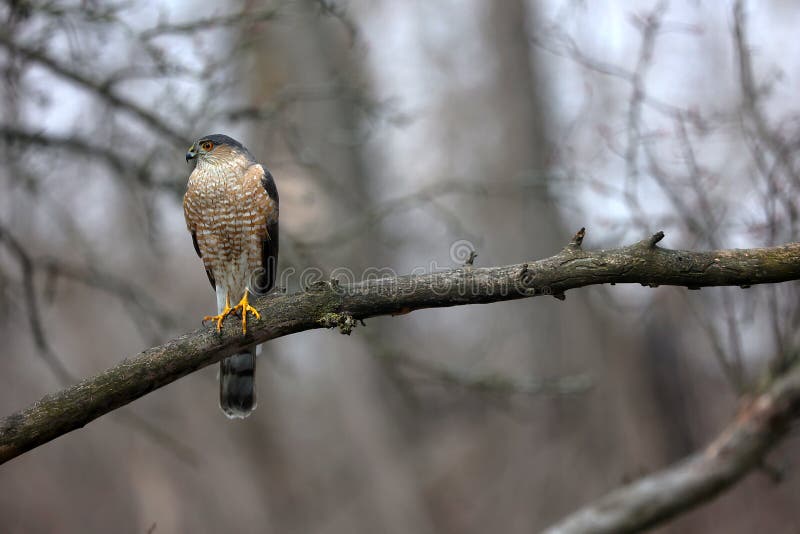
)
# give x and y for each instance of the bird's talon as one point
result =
(217, 318)
(245, 307)
(221, 317)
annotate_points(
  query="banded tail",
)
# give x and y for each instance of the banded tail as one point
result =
(237, 384)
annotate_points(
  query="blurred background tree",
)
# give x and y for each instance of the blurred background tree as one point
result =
(394, 130)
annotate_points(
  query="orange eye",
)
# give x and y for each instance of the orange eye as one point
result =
(207, 145)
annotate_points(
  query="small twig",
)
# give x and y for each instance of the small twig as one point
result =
(655, 238)
(471, 260)
(577, 239)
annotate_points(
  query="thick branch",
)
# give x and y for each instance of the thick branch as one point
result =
(333, 304)
(761, 423)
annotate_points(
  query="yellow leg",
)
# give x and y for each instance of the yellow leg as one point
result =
(245, 307)
(218, 318)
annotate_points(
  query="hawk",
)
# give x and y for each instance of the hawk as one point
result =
(231, 210)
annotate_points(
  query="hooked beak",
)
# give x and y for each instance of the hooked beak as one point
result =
(191, 154)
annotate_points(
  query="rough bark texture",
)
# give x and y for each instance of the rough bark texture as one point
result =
(342, 305)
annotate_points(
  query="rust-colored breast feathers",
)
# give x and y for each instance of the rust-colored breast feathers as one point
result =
(227, 209)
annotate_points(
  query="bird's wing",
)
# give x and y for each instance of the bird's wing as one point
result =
(269, 245)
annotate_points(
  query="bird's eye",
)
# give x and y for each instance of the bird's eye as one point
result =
(207, 145)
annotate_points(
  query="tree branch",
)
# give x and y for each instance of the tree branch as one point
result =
(99, 88)
(246, 17)
(331, 304)
(760, 424)
(120, 165)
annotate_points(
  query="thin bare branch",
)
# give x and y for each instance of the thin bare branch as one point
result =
(117, 163)
(35, 321)
(99, 88)
(242, 18)
(751, 96)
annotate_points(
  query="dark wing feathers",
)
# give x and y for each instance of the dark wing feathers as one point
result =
(269, 186)
(269, 248)
(269, 260)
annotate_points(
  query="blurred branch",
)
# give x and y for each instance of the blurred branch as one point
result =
(137, 301)
(245, 17)
(730, 366)
(337, 11)
(751, 95)
(422, 197)
(75, 145)
(97, 87)
(294, 94)
(150, 317)
(26, 265)
(761, 423)
(557, 42)
(649, 26)
(489, 383)
(331, 304)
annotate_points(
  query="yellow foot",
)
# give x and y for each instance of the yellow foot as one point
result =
(219, 318)
(244, 307)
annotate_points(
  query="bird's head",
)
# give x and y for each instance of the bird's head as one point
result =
(216, 147)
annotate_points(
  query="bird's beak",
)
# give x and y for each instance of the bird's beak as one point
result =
(191, 154)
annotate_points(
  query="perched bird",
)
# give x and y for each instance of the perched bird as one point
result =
(231, 210)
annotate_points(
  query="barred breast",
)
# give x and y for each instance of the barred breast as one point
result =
(228, 209)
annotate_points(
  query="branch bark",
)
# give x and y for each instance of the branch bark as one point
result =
(761, 423)
(330, 304)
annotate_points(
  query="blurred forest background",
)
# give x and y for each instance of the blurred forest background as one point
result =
(394, 130)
